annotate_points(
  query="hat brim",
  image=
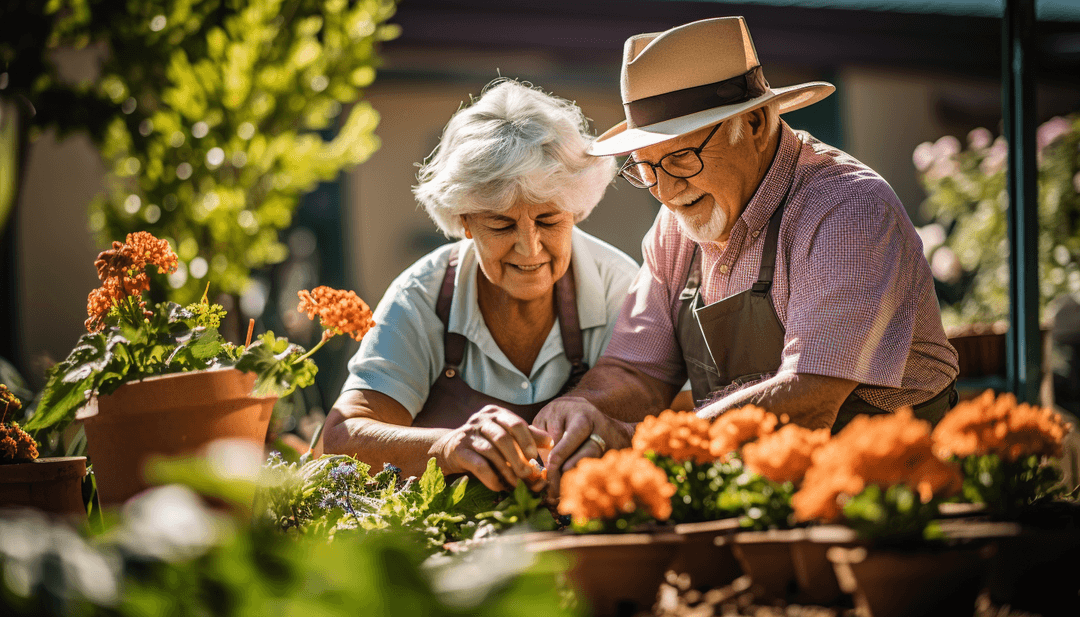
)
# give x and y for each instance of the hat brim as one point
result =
(620, 140)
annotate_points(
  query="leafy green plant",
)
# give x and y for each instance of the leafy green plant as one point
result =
(336, 494)
(1008, 487)
(759, 502)
(894, 515)
(698, 487)
(966, 204)
(211, 115)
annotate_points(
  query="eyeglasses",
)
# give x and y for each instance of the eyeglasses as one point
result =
(685, 163)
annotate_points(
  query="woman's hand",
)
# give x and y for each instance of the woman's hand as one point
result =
(496, 446)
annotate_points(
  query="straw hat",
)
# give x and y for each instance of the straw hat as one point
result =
(693, 76)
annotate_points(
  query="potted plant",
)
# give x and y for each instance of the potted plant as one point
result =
(1006, 451)
(51, 484)
(880, 478)
(163, 381)
(965, 238)
(619, 558)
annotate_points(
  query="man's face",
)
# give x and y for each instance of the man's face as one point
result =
(708, 204)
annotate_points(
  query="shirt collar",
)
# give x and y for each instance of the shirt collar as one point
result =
(466, 319)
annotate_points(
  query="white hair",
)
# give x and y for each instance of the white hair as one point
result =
(515, 143)
(735, 130)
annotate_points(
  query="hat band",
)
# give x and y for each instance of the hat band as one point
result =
(661, 107)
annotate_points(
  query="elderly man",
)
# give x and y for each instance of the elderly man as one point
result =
(780, 272)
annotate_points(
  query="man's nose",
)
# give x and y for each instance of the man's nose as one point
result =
(667, 186)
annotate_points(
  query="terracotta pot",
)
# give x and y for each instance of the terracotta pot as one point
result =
(168, 415)
(901, 583)
(47, 484)
(767, 557)
(705, 555)
(814, 574)
(616, 574)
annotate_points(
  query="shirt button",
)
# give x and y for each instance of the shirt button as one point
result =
(524, 385)
(723, 269)
(755, 234)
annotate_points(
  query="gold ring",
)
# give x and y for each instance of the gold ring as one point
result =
(598, 440)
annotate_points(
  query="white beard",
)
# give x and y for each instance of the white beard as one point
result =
(701, 229)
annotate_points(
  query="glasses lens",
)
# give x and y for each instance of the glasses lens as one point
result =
(682, 164)
(640, 174)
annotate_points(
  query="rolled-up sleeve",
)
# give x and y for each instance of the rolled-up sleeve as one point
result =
(396, 357)
(644, 334)
(852, 307)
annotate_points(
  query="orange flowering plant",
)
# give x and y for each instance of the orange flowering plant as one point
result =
(16, 446)
(703, 462)
(126, 340)
(880, 476)
(615, 493)
(1004, 449)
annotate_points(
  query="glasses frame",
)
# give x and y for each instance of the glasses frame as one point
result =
(630, 162)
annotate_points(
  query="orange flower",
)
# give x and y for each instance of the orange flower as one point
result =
(681, 435)
(992, 424)
(784, 456)
(737, 427)
(618, 483)
(9, 403)
(340, 312)
(885, 450)
(122, 271)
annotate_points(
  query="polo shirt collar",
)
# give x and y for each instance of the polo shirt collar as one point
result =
(466, 319)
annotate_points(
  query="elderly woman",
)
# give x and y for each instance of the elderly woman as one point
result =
(473, 339)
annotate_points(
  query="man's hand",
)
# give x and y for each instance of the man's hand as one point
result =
(570, 420)
(495, 445)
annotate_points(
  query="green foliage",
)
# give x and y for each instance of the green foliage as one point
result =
(967, 202)
(725, 489)
(279, 364)
(1007, 488)
(335, 494)
(208, 113)
(759, 502)
(895, 516)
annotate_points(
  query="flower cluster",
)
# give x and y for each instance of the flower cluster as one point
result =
(122, 272)
(16, 446)
(618, 484)
(884, 450)
(737, 427)
(784, 456)
(681, 435)
(992, 424)
(339, 311)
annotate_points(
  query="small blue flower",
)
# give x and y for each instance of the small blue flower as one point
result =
(343, 472)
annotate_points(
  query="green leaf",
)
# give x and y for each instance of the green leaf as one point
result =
(277, 364)
(432, 483)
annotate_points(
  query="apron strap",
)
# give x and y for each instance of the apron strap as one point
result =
(768, 253)
(453, 343)
(569, 324)
(693, 276)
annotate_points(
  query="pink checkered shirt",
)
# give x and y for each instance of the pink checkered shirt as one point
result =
(852, 288)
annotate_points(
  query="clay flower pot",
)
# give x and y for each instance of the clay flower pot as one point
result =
(814, 574)
(47, 484)
(168, 415)
(705, 555)
(767, 557)
(940, 582)
(616, 574)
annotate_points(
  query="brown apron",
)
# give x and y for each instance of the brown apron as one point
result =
(740, 340)
(451, 401)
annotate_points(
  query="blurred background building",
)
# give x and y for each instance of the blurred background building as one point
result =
(906, 71)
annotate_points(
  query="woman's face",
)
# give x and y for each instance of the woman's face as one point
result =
(523, 250)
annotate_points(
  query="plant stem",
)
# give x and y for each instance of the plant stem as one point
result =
(327, 334)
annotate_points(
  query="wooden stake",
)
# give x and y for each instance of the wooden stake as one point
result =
(251, 328)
